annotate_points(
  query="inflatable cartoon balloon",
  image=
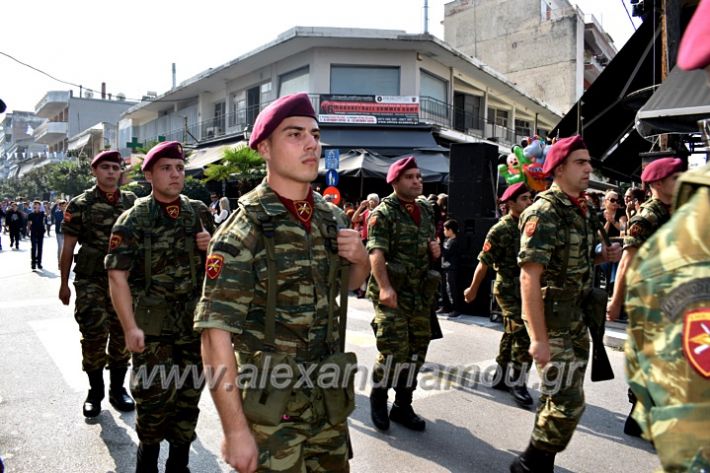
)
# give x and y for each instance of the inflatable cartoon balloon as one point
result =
(512, 172)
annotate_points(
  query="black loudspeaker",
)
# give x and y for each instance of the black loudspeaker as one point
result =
(473, 177)
(472, 234)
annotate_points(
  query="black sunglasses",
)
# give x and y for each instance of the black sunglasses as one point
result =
(613, 200)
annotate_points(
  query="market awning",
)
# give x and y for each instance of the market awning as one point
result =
(201, 157)
(605, 114)
(364, 163)
(677, 105)
(385, 141)
(79, 142)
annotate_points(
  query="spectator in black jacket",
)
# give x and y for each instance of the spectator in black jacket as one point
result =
(35, 227)
(450, 256)
(13, 223)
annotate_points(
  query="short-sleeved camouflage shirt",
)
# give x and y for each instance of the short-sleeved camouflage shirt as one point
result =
(500, 251)
(650, 217)
(543, 239)
(90, 217)
(171, 275)
(235, 289)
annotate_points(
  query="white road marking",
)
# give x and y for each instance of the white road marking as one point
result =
(60, 337)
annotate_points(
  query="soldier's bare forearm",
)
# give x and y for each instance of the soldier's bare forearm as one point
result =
(66, 257)
(478, 276)
(218, 359)
(533, 307)
(379, 269)
(620, 284)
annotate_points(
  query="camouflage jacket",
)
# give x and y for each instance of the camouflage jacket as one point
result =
(235, 289)
(170, 268)
(650, 217)
(392, 230)
(500, 251)
(89, 217)
(543, 239)
(668, 347)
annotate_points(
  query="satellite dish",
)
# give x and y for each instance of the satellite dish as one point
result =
(2, 106)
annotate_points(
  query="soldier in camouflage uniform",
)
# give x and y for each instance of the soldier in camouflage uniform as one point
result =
(661, 175)
(500, 252)
(668, 302)
(401, 232)
(557, 257)
(273, 271)
(155, 264)
(88, 220)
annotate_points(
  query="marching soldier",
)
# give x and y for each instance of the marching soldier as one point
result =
(273, 272)
(557, 256)
(155, 264)
(500, 252)
(668, 302)
(401, 232)
(88, 219)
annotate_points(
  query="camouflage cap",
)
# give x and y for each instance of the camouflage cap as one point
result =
(108, 155)
(660, 169)
(166, 149)
(560, 150)
(294, 105)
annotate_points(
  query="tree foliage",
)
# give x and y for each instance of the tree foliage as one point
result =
(244, 165)
(68, 178)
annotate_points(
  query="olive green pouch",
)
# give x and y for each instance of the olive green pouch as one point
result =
(430, 286)
(150, 314)
(88, 262)
(340, 399)
(264, 402)
(560, 307)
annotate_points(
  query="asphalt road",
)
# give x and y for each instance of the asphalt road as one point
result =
(470, 428)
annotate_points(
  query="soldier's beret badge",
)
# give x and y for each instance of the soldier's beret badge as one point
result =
(696, 340)
(213, 266)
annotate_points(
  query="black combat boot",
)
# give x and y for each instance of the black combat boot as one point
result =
(117, 394)
(378, 408)
(402, 411)
(501, 375)
(519, 390)
(178, 459)
(534, 460)
(147, 458)
(92, 405)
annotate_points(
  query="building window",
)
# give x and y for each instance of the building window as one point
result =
(434, 95)
(294, 81)
(498, 117)
(523, 128)
(364, 80)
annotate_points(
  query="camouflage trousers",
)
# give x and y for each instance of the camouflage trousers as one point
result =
(562, 390)
(304, 441)
(166, 382)
(515, 342)
(402, 341)
(99, 326)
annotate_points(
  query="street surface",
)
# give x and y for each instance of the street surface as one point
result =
(470, 428)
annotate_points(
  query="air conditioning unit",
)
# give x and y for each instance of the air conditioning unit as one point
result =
(213, 131)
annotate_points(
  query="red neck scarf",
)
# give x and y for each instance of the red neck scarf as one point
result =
(580, 202)
(301, 209)
(412, 208)
(112, 198)
(171, 209)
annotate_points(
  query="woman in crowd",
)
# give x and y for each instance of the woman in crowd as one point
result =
(223, 212)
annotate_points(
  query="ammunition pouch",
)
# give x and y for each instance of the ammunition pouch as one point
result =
(430, 286)
(397, 275)
(89, 261)
(150, 314)
(340, 399)
(594, 309)
(561, 307)
(264, 399)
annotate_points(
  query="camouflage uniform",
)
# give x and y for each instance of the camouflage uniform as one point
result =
(403, 333)
(500, 251)
(650, 217)
(543, 239)
(668, 302)
(164, 308)
(89, 217)
(234, 299)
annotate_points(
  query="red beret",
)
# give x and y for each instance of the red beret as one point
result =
(166, 149)
(559, 152)
(108, 155)
(514, 191)
(399, 166)
(660, 169)
(694, 51)
(294, 105)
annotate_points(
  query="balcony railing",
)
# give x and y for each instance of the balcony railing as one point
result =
(49, 133)
(52, 103)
